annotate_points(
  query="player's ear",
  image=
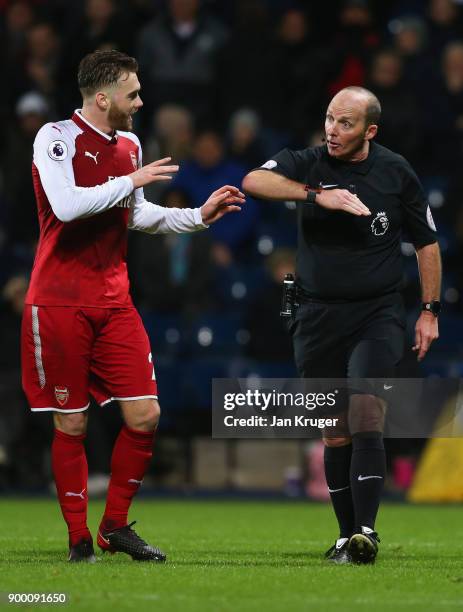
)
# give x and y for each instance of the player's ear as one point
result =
(102, 100)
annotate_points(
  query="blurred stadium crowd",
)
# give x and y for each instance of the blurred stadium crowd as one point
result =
(225, 84)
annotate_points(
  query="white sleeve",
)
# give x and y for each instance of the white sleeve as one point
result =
(155, 219)
(53, 159)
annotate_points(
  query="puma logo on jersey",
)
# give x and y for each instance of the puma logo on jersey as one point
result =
(94, 157)
(71, 494)
(134, 481)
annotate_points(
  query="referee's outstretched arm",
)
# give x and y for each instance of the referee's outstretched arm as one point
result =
(273, 186)
(269, 185)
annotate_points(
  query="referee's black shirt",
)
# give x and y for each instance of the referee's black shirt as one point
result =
(343, 256)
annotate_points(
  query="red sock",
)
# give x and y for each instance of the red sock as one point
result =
(130, 459)
(70, 470)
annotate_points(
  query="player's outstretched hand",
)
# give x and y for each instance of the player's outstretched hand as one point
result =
(221, 202)
(156, 171)
(341, 199)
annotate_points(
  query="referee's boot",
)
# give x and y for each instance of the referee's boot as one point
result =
(126, 540)
(82, 552)
(363, 546)
(339, 553)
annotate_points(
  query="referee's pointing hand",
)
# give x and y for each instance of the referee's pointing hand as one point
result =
(426, 331)
(342, 199)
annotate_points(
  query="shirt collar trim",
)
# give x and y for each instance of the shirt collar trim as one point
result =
(361, 167)
(81, 119)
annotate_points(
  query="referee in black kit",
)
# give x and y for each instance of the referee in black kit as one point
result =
(354, 198)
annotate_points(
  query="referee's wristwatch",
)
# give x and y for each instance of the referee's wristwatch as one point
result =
(311, 194)
(434, 307)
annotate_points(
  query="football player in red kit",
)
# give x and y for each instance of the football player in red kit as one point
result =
(81, 334)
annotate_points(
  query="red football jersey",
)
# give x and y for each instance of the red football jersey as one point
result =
(85, 206)
(82, 261)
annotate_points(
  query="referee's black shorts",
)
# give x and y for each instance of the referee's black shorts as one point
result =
(361, 339)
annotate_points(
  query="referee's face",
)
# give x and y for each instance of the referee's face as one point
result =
(347, 135)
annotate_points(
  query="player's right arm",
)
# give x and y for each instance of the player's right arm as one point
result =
(53, 153)
(279, 179)
(54, 150)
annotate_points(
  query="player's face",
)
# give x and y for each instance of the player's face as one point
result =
(346, 132)
(124, 102)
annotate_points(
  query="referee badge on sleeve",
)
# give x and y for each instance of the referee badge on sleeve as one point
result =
(271, 163)
(58, 150)
(429, 219)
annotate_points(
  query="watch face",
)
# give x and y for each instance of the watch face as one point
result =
(434, 307)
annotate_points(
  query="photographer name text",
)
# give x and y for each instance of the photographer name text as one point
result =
(274, 421)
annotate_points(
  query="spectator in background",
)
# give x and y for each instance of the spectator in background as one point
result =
(300, 70)
(38, 70)
(19, 16)
(18, 19)
(453, 79)
(444, 20)
(43, 51)
(355, 40)
(263, 319)
(178, 54)
(171, 136)
(32, 111)
(445, 136)
(102, 25)
(206, 171)
(410, 42)
(11, 309)
(399, 127)
(23, 439)
(244, 144)
(247, 60)
(174, 274)
(172, 133)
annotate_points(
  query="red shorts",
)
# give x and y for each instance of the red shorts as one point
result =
(69, 352)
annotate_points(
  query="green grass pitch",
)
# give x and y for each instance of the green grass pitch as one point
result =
(238, 556)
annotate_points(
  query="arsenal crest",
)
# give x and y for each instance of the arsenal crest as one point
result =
(133, 157)
(62, 395)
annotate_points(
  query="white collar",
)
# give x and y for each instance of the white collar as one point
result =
(78, 112)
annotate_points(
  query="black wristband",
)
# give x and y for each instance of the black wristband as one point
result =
(434, 307)
(311, 195)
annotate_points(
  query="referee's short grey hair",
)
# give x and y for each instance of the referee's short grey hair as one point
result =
(373, 111)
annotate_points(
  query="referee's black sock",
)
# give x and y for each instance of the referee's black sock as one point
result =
(367, 474)
(337, 470)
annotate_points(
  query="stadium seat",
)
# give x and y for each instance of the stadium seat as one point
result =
(197, 381)
(216, 334)
(245, 368)
(166, 333)
(238, 285)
